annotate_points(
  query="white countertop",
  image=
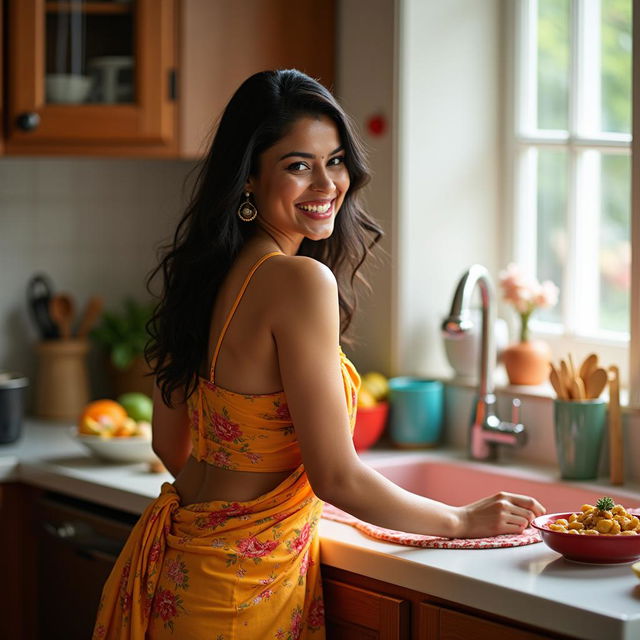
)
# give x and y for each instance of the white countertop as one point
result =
(532, 583)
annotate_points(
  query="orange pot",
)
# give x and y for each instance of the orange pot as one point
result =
(527, 362)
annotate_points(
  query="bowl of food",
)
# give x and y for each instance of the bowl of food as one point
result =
(115, 432)
(604, 533)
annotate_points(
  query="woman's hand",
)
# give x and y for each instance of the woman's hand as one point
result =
(498, 514)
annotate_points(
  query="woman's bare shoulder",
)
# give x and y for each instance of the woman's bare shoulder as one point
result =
(301, 277)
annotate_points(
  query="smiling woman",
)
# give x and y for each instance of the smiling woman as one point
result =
(255, 401)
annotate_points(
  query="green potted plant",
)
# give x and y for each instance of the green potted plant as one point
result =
(123, 335)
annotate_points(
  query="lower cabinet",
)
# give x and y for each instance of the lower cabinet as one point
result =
(358, 614)
(359, 608)
(438, 623)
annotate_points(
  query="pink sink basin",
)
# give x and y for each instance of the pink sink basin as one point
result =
(461, 482)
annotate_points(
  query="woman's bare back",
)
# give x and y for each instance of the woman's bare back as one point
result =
(247, 363)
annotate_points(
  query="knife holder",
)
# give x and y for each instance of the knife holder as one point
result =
(62, 380)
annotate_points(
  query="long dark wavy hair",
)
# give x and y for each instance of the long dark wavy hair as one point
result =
(210, 235)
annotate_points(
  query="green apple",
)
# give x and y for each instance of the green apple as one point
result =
(137, 405)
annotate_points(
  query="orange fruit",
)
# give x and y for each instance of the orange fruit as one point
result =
(106, 412)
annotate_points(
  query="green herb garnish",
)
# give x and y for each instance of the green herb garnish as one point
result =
(605, 504)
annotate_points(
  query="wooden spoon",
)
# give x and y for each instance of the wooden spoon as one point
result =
(578, 392)
(589, 365)
(556, 383)
(90, 315)
(565, 378)
(616, 471)
(596, 382)
(62, 311)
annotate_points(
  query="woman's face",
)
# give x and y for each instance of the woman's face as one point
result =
(301, 183)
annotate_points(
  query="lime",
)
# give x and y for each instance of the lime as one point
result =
(137, 405)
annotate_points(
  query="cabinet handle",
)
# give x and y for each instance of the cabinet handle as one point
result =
(28, 121)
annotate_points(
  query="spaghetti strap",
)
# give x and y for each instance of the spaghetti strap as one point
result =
(235, 306)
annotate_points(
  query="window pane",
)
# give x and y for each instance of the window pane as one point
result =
(553, 63)
(551, 229)
(616, 65)
(615, 246)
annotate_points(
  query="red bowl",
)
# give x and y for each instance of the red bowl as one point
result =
(370, 423)
(590, 549)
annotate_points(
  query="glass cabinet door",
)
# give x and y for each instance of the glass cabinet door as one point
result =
(89, 52)
(89, 76)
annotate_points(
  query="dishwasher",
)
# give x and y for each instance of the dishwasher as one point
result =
(78, 543)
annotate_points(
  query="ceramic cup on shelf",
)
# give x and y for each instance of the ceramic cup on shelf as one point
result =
(416, 412)
(579, 432)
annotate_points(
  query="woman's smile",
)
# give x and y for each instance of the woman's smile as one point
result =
(317, 209)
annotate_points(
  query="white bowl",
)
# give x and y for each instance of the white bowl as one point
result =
(131, 449)
(67, 87)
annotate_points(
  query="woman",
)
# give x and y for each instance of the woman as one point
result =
(254, 401)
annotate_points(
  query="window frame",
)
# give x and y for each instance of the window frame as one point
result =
(519, 189)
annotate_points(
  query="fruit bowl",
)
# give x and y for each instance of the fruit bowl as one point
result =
(370, 423)
(602, 549)
(125, 449)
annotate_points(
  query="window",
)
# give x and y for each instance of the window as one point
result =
(572, 168)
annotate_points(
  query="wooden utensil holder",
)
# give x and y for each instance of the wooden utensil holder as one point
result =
(62, 381)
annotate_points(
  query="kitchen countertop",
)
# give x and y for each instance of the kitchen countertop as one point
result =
(532, 584)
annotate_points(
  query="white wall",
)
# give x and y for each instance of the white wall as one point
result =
(365, 86)
(91, 224)
(449, 156)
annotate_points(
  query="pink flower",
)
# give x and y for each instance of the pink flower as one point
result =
(296, 623)
(164, 604)
(176, 572)
(125, 602)
(251, 547)
(154, 552)
(216, 518)
(282, 412)
(304, 565)
(101, 630)
(221, 458)
(315, 617)
(299, 543)
(225, 429)
(254, 458)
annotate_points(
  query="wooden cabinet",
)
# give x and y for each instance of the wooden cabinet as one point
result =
(92, 77)
(439, 623)
(358, 614)
(146, 77)
(361, 608)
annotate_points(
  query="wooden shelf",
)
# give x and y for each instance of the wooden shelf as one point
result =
(105, 8)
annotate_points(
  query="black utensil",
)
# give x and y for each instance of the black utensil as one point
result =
(39, 292)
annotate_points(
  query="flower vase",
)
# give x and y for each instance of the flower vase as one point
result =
(527, 362)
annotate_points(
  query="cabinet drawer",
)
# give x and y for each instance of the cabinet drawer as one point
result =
(358, 614)
(437, 623)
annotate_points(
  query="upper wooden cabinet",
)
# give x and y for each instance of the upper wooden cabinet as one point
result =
(91, 77)
(147, 77)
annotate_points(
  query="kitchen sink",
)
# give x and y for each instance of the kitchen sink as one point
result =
(459, 482)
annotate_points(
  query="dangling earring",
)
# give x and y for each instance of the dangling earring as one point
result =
(247, 210)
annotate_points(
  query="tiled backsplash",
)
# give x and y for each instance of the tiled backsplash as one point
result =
(92, 225)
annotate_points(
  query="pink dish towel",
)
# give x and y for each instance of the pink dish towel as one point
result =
(528, 536)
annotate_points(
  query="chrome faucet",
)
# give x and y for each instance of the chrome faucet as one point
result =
(486, 431)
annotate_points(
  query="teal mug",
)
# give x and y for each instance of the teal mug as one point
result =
(579, 431)
(416, 412)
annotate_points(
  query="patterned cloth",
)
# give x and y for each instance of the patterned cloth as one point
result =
(227, 570)
(528, 536)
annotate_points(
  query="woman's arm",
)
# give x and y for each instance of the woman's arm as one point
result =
(171, 435)
(306, 331)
